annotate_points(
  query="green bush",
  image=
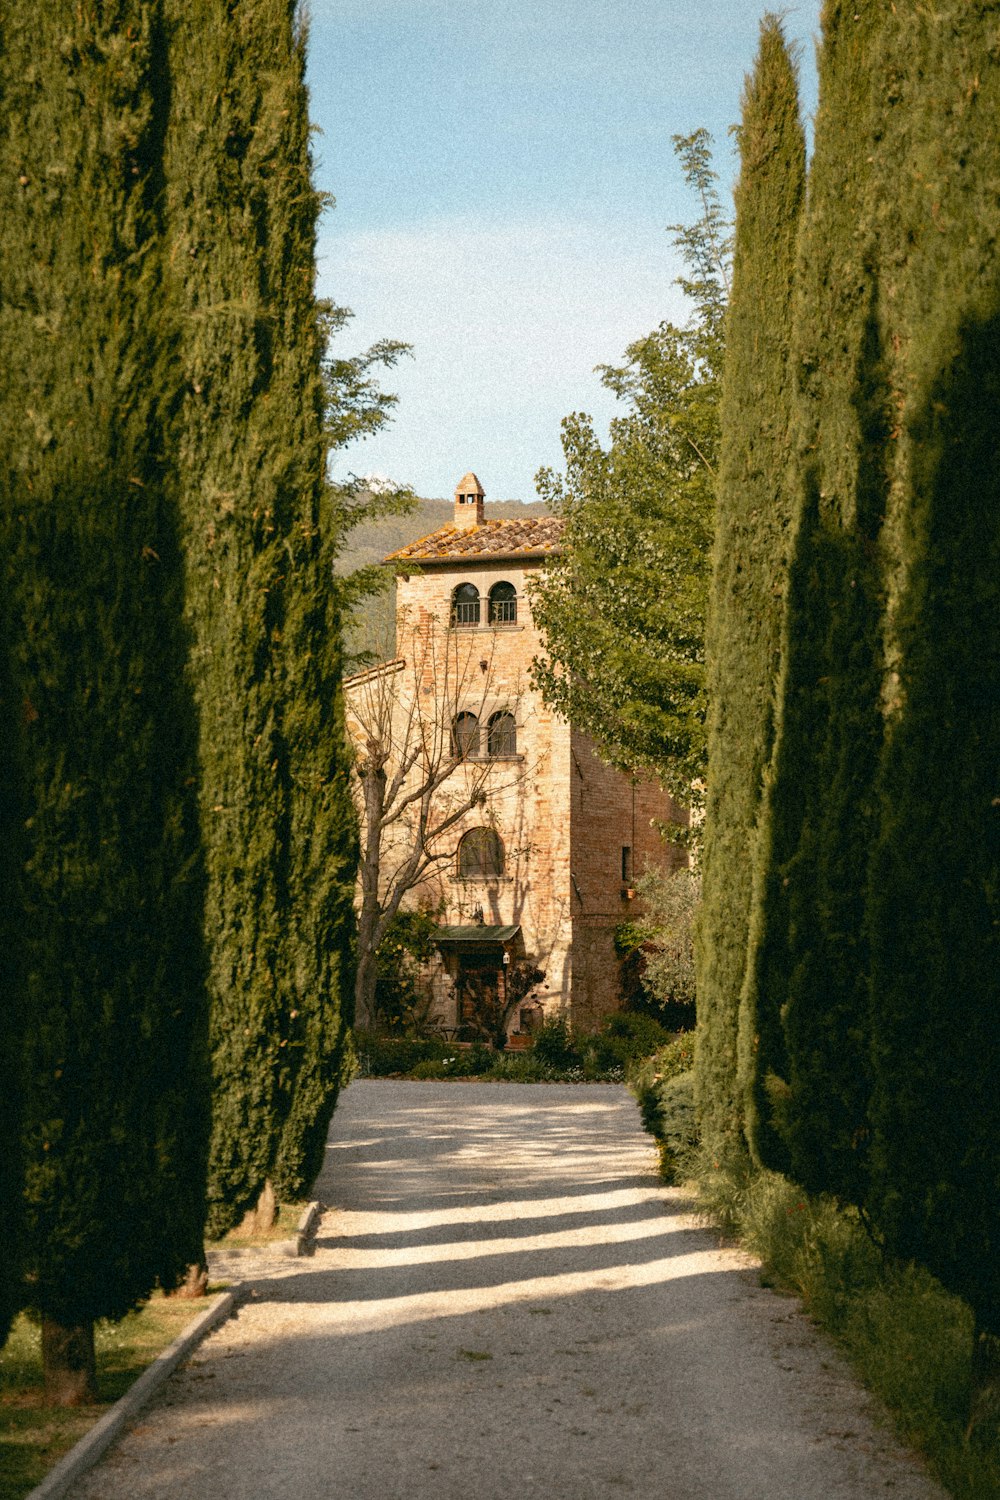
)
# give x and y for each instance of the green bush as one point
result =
(434, 1067)
(910, 1339)
(656, 952)
(678, 1125)
(553, 1045)
(648, 1077)
(525, 1067)
(556, 1055)
(401, 1002)
(624, 1039)
(460, 1062)
(388, 1056)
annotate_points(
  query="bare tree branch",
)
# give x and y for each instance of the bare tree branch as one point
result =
(414, 785)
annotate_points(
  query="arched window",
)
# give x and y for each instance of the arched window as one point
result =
(465, 605)
(503, 604)
(501, 734)
(464, 736)
(480, 853)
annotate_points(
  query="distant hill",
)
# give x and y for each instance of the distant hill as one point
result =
(371, 630)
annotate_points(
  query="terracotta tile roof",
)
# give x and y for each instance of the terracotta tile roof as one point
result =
(537, 536)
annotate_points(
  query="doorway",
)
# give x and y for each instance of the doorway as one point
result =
(481, 998)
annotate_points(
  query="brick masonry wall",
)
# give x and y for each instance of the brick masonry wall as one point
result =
(526, 798)
(610, 812)
(562, 815)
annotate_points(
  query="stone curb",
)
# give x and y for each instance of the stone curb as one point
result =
(246, 1257)
(84, 1454)
(305, 1230)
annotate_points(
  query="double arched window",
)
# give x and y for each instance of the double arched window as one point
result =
(480, 854)
(501, 734)
(465, 605)
(464, 736)
(503, 604)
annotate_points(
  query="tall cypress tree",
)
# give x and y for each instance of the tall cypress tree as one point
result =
(935, 886)
(11, 994)
(806, 982)
(11, 997)
(115, 1116)
(249, 445)
(751, 538)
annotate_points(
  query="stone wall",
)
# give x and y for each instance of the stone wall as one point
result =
(563, 816)
(614, 838)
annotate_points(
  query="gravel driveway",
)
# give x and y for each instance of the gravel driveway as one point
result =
(505, 1304)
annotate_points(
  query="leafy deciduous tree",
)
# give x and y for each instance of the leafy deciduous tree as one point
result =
(623, 608)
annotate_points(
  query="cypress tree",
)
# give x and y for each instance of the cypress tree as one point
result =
(249, 445)
(806, 982)
(115, 1112)
(935, 885)
(11, 998)
(749, 563)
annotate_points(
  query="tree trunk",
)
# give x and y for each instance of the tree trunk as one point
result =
(373, 782)
(261, 1218)
(364, 991)
(68, 1364)
(195, 1282)
(267, 1209)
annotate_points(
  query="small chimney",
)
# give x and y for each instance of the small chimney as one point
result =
(468, 502)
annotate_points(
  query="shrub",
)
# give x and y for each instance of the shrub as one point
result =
(671, 902)
(400, 1000)
(909, 1338)
(626, 1037)
(467, 1062)
(648, 1077)
(678, 1125)
(434, 1067)
(389, 1056)
(525, 1067)
(553, 1045)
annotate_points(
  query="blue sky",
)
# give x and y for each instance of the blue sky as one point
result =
(504, 178)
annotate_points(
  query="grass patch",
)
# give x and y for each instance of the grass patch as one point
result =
(285, 1227)
(908, 1339)
(34, 1435)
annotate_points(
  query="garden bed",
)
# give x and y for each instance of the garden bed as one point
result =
(35, 1435)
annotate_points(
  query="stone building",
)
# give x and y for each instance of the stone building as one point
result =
(540, 872)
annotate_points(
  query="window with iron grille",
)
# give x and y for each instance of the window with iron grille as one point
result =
(464, 736)
(480, 853)
(503, 604)
(501, 735)
(465, 605)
